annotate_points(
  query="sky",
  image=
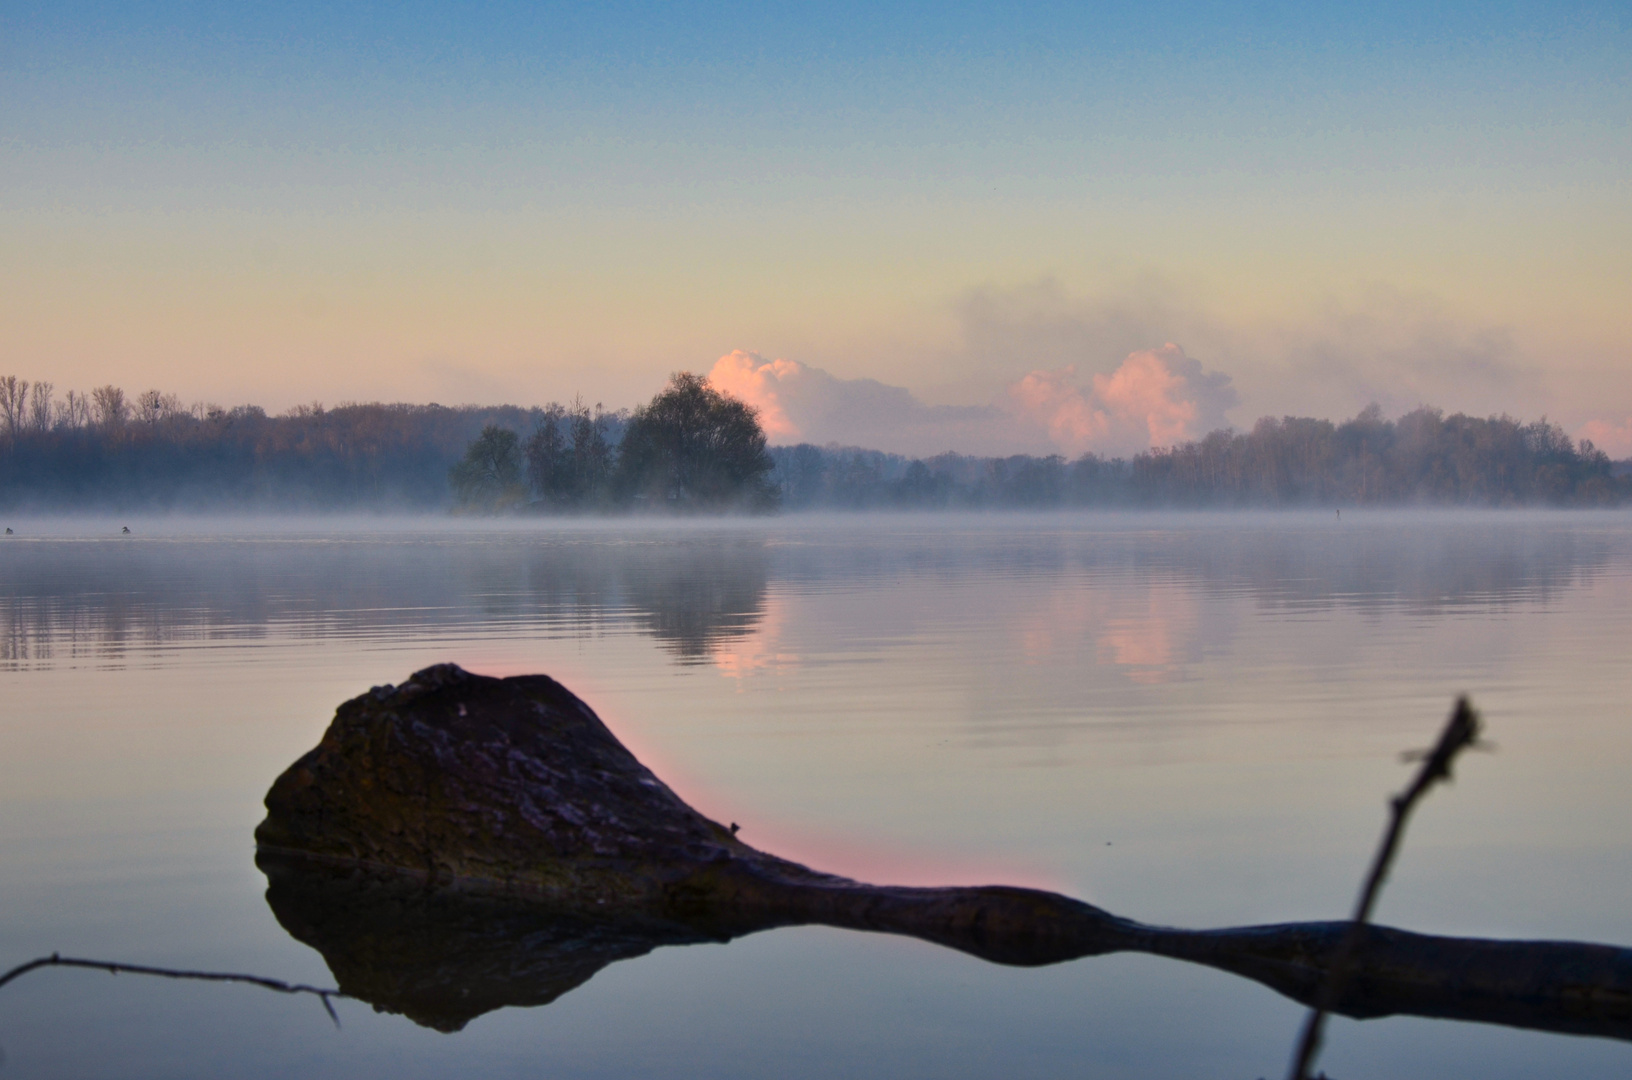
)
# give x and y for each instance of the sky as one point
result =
(920, 227)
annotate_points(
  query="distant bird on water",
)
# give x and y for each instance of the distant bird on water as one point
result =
(8, 530)
(125, 530)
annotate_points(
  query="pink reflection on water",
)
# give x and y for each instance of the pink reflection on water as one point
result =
(1149, 644)
(1144, 628)
(760, 649)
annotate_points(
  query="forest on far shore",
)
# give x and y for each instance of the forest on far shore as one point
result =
(1424, 458)
(107, 451)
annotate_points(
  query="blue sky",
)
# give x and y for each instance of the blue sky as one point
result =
(1332, 204)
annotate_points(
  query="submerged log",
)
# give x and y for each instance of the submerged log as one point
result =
(442, 957)
(459, 843)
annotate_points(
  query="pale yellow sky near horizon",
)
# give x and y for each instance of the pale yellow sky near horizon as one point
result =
(526, 307)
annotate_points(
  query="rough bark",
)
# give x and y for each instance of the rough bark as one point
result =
(459, 843)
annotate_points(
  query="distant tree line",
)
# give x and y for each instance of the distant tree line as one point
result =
(692, 448)
(107, 450)
(1423, 458)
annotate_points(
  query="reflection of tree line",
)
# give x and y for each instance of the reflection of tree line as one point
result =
(97, 601)
(692, 598)
(48, 631)
(62, 603)
(1425, 568)
(1425, 564)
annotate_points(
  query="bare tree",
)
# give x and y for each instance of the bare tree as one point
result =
(153, 406)
(39, 407)
(591, 456)
(112, 410)
(546, 454)
(569, 459)
(74, 411)
(13, 400)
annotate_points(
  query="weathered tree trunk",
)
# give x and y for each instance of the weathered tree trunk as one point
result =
(458, 843)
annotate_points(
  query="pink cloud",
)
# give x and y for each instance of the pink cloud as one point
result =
(1073, 419)
(800, 403)
(759, 382)
(1156, 397)
(1612, 438)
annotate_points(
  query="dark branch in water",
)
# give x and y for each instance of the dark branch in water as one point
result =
(1461, 731)
(460, 843)
(54, 960)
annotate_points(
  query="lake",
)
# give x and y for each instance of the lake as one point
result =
(1192, 720)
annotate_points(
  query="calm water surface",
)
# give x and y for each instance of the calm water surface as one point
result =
(1190, 720)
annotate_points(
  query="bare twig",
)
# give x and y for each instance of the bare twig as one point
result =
(1461, 731)
(54, 960)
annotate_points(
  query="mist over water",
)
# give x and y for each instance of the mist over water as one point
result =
(1187, 719)
(696, 586)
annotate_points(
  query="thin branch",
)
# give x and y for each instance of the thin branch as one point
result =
(1461, 731)
(54, 960)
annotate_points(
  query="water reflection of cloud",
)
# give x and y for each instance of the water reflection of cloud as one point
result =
(1125, 594)
(1153, 643)
(1147, 627)
(761, 649)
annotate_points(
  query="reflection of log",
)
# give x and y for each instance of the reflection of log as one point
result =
(529, 849)
(442, 957)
